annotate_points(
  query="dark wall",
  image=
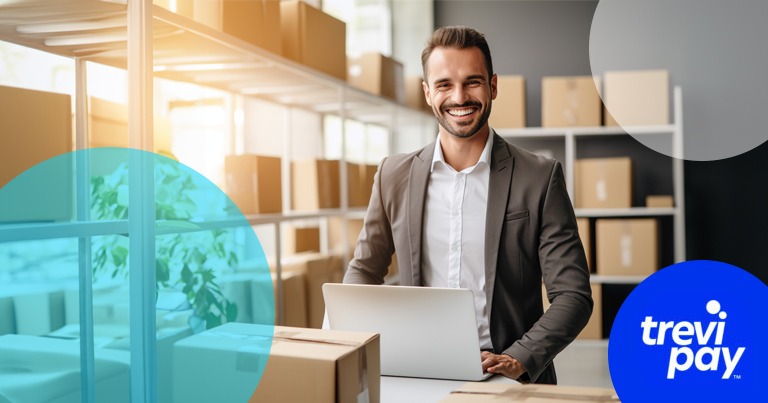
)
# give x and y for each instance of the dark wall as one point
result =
(726, 201)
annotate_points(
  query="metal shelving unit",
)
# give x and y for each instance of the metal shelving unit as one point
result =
(150, 41)
(570, 137)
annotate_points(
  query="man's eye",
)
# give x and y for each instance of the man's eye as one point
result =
(474, 83)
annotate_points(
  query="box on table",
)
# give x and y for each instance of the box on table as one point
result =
(634, 98)
(254, 21)
(302, 365)
(301, 239)
(314, 38)
(254, 183)
(35, 127)
(509, 106)
(377, 74)
(627, 247)
(531, 393)
(570, 101)
(294, 298)
(318, 269)
(659, 201)
(603, 183)
(414, 94)
(315, 185)
(585, 234)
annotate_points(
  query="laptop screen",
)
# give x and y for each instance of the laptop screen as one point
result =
(426, 332)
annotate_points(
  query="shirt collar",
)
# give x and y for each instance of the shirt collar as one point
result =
(484, 157)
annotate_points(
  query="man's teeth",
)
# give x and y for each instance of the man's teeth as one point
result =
(460, 112)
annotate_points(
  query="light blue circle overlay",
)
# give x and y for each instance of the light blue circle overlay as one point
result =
(210, 267)
(691, 332)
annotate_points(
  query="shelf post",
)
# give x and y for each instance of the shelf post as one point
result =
(85, 275)
(141, 220)
(678, 154)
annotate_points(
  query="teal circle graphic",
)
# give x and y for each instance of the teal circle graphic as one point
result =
(75, 211)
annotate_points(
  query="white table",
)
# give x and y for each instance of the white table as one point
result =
(419, 390)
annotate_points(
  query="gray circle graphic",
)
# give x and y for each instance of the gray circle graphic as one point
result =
(715, 51)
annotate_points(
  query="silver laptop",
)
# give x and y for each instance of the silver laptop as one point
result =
(426, 332)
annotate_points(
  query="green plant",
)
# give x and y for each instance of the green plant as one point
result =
(185, 261)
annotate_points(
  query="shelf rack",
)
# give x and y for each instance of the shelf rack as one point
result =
(570, 135)
(150, 41)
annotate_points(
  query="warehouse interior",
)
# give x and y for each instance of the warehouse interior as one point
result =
(257, 128)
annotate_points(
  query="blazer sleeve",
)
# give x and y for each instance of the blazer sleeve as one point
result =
(566, 278)
(375, 246)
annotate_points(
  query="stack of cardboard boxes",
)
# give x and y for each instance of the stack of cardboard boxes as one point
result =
(300, 32)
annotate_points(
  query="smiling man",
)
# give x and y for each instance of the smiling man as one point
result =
(473, 211)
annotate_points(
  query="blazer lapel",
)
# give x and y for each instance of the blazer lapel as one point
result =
(417, 192)
(499, 184)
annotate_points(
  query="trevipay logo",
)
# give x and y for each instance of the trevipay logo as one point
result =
(685, 335)
(690, 332)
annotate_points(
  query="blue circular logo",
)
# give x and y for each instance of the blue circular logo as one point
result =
(692, 332)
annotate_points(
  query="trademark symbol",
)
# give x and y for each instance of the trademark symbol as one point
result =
(736, 377)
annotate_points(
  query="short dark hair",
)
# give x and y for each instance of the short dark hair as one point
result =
(457, 37)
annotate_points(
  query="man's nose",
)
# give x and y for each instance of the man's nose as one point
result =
(459, 95)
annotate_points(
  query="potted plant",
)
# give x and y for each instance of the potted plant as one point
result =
(187, 261)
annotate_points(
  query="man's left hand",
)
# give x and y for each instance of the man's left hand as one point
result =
(502, 364)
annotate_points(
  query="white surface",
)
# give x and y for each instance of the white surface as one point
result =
(418, 390)
(426, 332)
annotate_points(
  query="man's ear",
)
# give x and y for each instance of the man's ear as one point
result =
(425, 87)
(494, 89)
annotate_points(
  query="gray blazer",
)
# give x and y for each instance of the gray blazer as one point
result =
(530, 235)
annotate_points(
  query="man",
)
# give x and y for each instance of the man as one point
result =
(473, 211)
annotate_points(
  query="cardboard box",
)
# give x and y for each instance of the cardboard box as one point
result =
(570, 101)
(315, 185)
(659, 201)
(294, 298)
(254, 21)
(360, 183)
(254, 183)
(108, 126)
(634, 98)
(35, 127)
(318, 269)
(377, 74)
(336, 234)
(39, 313)
(603, 183)
(509, 106)
(585, 233)
(477, 392)
(414, 94)
(302, 365)
(7, 315)
(594, 328)
(301, 239)
(368, 176)
(627, 247)
(314, 38)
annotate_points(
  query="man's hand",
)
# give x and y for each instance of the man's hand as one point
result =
(501, 364)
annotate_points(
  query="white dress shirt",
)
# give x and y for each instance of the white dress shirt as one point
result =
(453, 238)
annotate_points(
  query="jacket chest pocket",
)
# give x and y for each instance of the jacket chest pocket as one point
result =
(515, 216)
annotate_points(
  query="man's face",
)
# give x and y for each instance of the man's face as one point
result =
(459, 90)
